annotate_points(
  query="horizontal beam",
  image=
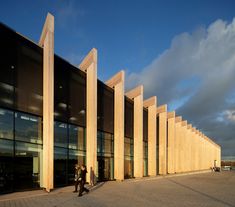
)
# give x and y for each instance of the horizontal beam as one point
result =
(89, 59)
(171, 114)
(135, 92)
(161, 109)
(150, 101)
(117, 78)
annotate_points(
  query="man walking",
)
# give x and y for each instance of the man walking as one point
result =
(83, 180)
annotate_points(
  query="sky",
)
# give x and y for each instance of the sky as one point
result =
(181, 51)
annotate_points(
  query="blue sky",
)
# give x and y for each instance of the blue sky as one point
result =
(181, 51)
(128, 34)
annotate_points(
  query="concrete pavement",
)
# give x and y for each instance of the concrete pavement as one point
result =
(211, 189)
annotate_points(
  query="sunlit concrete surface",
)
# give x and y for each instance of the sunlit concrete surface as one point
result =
(205, 189)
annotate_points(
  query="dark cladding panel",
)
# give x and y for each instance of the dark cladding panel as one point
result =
(145, 124)
(8, 61)
(61, 72)
(77, 97)
(105, 110)
(29, 77)
(129, 118)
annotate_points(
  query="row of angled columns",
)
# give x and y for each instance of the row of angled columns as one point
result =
(181, 147)
(188, 148)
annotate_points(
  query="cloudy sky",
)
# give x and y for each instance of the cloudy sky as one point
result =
(181, 51)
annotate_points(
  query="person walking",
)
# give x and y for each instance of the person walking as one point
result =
(83, 180)
(77, 177)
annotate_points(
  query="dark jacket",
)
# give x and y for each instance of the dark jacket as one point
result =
(83, 174)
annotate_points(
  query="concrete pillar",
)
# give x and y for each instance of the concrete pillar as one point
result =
(188, 147)
(191, 147)
(117, 82)
(178, 120)
(47, 42)
(171, 142)
(137, 95)
(197, 151)
(89, 65)
(183, 158)
(162, 114)
(152, 153)
(195, 156)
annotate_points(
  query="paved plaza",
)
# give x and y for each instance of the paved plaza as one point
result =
(210, 189)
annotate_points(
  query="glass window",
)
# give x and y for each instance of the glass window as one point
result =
(108, 144)
(77, 97)
(6, 124)
(128, 167)
(60, 134)
(28, 165)
(61, 89)
(60, 166)
(105, 109)
(145, 124)
(29, 77)
(128, 158)
(157, 142)
(105, 145)
(75, 157)
(28, 128)
(129, 116)
(128, 147)
(77, 138)
(8, 53)
(6, 166)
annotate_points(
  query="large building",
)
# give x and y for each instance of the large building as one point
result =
(54, 115)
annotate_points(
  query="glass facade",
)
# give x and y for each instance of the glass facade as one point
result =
(105, 156)
(105, 125)
(69, 149)
(145, 142)
(129, 140)
(20, 151)
(157, 142)
(20, 112)
(70, 121)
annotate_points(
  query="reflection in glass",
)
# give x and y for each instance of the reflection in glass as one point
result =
(76, 138)
(28, 128)
(60, 166)
(6, 124)
(157, 147)
(129, 117)
(105, 108)
(145, 158)
(70, 149)
(29, 77)
(75, 157)
(6, 165)
(60, 134)
(28, 165)
(128, 158)
(77, 96)
(7, 66)
(105, 154)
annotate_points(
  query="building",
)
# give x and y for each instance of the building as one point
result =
(54, 115)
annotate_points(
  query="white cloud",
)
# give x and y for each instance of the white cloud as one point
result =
(198, 68)
(230, 115)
